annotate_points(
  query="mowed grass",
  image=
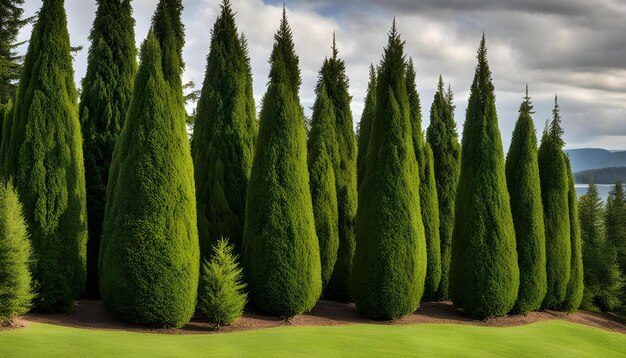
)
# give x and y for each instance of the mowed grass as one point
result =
(543, 339)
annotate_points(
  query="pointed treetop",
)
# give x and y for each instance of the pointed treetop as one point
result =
(450, 98)
(335, 51)
(555, 129)
(410, 74)
(440, 85)
(284, 60)
(527, 105)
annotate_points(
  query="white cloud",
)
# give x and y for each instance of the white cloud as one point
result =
(567, 47)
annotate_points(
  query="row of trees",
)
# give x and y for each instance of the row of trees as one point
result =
(286, 199)
(603, 229)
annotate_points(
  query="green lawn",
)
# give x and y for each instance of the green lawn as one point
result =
(550, 338)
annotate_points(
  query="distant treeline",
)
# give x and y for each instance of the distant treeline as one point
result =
(601, 176)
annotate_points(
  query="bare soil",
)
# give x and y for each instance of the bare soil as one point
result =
(91, 314)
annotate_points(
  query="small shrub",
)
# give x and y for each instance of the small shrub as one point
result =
(222, 296)
(15, 279)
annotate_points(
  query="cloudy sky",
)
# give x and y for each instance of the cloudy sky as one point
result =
(575, 48)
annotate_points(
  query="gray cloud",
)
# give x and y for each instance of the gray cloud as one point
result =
(571, 47)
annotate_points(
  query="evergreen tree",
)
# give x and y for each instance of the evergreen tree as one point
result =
(603, 279)
(169, 30)
(106, 91)
(484, 276)
(615, 223)
(322, 153)
(522, 176)
(390, 259)
(224, 133)
(336, 83)
(427, 188)
(11, 21)
(43, 154)
(15, 251)
(149, 257)
(444, 141)
(365, 125)
(222, 297)
(554, 195)
(575, 286)
(280, 250)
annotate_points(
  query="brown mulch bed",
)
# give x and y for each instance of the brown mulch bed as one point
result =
(91, 314)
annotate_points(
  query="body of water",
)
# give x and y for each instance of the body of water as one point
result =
(603, 190)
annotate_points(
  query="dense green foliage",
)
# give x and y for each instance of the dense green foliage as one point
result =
(522, 176)
(15, 251)
(609, 175)
(105, 96)
(322, 153)
(336, 83)
(225, 129)
(615, 222)
(149, 258)
(427, 188)
(603, 279)
(365, 125)
(11, 22)
(49, 177)
(281, 254)
(390, 259)
(484, 275)
(169, 30)
(443, 139)
(554, 196)
(221, 290)
(575, 286)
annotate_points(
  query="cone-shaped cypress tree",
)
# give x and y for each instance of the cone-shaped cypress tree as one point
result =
(169, 30)
(365, 125)
(15, 251)
(427, 188)
(223, 140)
(575, 286)
(44, 157)
(107, 87)
(337, 88)
(149, 258)
(390, 259)
(322, 152)
(444, 141)
(554, 195)
(281, 254)
(522, 176)
(484, 276)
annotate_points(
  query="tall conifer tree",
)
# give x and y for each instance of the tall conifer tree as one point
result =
(484, 276)
(427, 188)
(11, 21)
(522, 176)
(615, 223)
(322, 153)
(603, 279)
(107, 88)
(336, 83)
(280, 250)
(575, 286)
(365, 125)
(43, 154)
(149, 257)
(554, 194)
(444, 141)
(390, 259)
(224, 133)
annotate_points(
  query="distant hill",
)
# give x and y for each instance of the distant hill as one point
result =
(601, 176)
(594, 158)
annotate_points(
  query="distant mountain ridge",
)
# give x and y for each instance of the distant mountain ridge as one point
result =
(595, 158)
